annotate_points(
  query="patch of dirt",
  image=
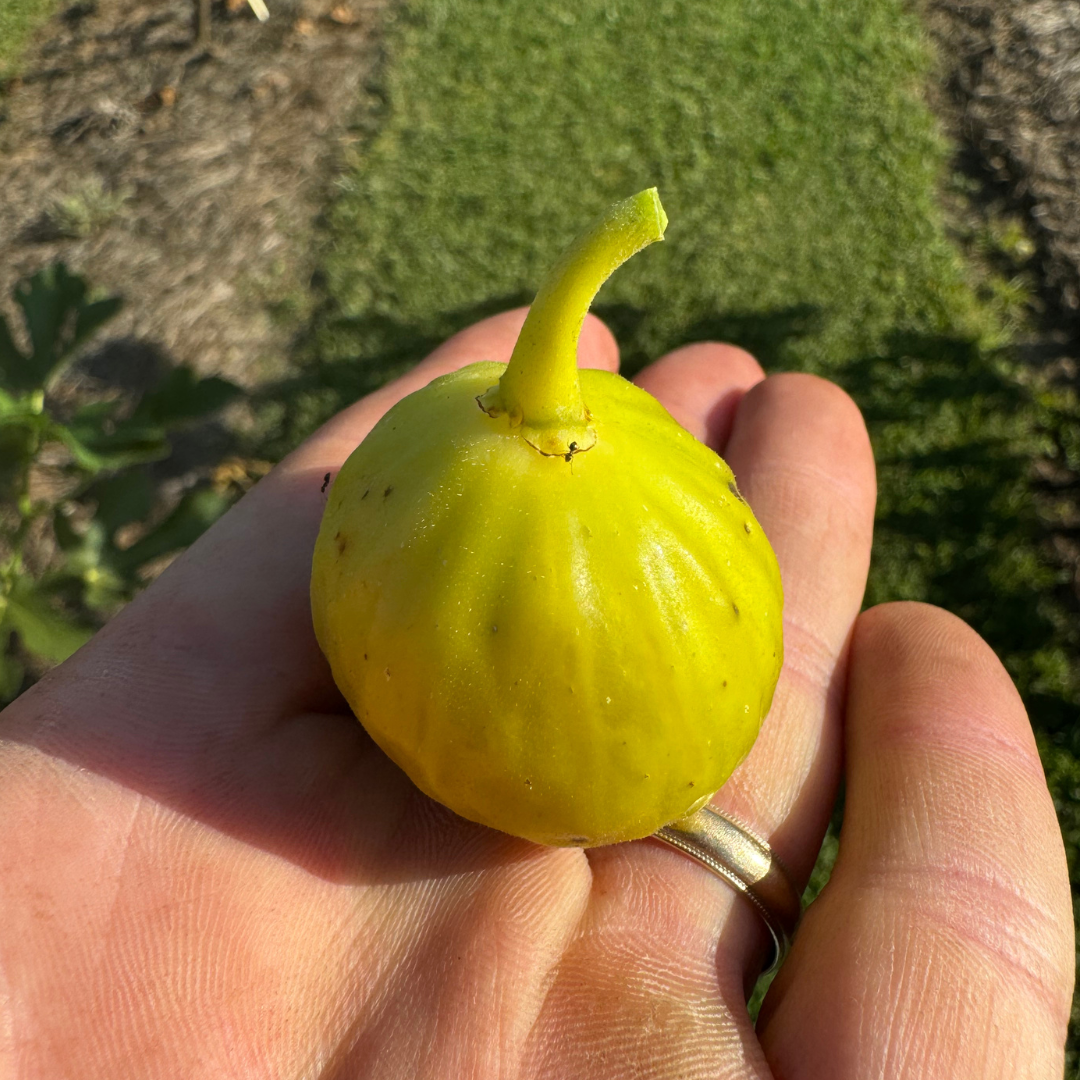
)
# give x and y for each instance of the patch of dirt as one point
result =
(1010, 98)
(185, 178)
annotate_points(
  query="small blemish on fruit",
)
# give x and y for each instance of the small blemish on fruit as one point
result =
(386, 672)
(325, 482)
(735, 608)
(746, 526)
(391, 488)
(365, 656)
(734, 489)
(365, 495)
(494, 629)
(528, 783)
(342, 543)
(691, 784)
(724, 683)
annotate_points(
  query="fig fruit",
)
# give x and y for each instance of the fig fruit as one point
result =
(542, 597)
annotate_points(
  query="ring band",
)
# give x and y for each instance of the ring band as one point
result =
(747, 863)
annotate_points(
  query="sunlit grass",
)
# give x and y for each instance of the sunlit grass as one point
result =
(18, 20)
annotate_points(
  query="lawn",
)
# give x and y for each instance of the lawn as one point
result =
(18, 20)
(803, 173)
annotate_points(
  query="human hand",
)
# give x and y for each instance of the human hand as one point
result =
(208, 869)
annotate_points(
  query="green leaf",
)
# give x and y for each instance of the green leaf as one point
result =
(58, 319)
(122, 499)
(68, 540)
(11, 359)
(93, 316)
(82, 454)
(94, 414)
(49, 300)
(83, 549)
(183, 396)
(11, 674)
(197, 511)
(9, 404)
(20, 411)
(42, 629)
(129, 444)
(17, 445)
(105, 593)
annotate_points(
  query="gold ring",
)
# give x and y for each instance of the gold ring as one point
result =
(747, 863)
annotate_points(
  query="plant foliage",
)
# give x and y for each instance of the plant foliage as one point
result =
(71, 482)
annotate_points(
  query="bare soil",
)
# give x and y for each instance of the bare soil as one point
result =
(1009, 96)
(186, 178)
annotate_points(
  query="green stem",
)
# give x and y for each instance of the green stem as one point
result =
(540, 389)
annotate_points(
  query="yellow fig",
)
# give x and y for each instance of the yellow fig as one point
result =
(543, 598)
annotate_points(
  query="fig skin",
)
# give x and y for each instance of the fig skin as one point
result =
(573, 648)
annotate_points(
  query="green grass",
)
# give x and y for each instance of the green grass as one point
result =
(787, 139)
(801, 171)
(18, 20)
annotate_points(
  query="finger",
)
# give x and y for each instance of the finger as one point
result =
(942, 945)
(228, 625)
(701, 385)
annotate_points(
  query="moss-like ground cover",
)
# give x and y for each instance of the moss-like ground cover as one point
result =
(18, 20)
(801, 170)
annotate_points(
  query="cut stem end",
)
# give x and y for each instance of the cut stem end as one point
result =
(540, 390)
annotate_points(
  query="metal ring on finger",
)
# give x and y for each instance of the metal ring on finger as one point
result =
(747, 863)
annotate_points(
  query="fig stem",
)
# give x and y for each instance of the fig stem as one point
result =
(540, 388)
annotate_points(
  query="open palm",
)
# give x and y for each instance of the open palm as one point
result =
(208, 870)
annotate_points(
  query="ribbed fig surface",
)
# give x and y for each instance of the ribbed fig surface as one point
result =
(573, 640)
